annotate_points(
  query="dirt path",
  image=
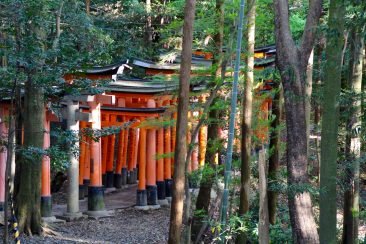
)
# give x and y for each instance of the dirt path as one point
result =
(127, 226)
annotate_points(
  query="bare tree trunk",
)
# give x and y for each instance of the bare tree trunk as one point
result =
(329, 134)
(308, 91)
(353, 141)
(246, 134)
(182, 121)
(292, 63)
(87, 6)
(263, 225)
(274, 158)
(246, 125)
(29, 197)
(316, 102)
(10, 167)
(148, 27)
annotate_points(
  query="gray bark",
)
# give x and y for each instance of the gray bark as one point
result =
(292, 63)
(182, 122)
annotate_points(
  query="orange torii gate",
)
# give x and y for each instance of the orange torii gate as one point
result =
(134, 153)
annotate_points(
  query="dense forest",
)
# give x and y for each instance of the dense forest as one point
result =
(237, 121)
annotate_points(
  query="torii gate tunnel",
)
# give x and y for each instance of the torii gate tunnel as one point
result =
(142, 117)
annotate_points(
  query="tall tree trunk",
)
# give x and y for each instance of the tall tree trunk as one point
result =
(308, 91)
(351, 195)
(263, 225)
(182, 121)
(316, 102)
(29, 197)
(274, 157)
(148, 26)
(233, 106)
(292, 63)
(247, 114)
(204, 194)
(246, 125)
(87, 6)
(329, 134)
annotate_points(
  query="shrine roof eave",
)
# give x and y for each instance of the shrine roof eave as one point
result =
(269, 48)
(165, 66)
(108, 69)
(125, 109)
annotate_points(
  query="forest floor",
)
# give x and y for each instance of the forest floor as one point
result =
(126, 225)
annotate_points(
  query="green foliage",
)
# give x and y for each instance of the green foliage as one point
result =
(233, 227)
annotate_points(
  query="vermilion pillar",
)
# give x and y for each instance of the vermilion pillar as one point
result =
(95, 190)
(151, 187)
(202, 144)
(160, 165)
(168, 163)
(3, 157)
(105, 151)
(202, 138)
(135, 155)
(194, 157)
(141, 199)
(119, 178)
(82, 154)
(86, 181)
(174, 132)
(126, 141)
(131, 153)
(110, 157)
(46, 199)
(118, 170)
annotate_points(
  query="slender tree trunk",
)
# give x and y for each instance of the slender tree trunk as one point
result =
(351, 195)
(263, 225)
(246, 125)
(10, 167)
(29, 197)
(148, 27)
(274, 158)
(87, 6)
(316, 102)
(246, 135)
(329, 134)
(204, 194)
(182, 121)
(308, 91)
(292, 63)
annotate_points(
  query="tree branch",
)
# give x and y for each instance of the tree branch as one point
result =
(308, 37)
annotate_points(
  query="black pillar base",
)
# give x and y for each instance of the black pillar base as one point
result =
(109, 179)
(141, 199)
(1, 206)
(96, 198)
(161, 190)
(124, 176)
(130, 177)
(81, 192)
(152, 195)
(46, 206)
(117, 181)
(86, 183)
(168, 187)
(104, 179)
(135, 175)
